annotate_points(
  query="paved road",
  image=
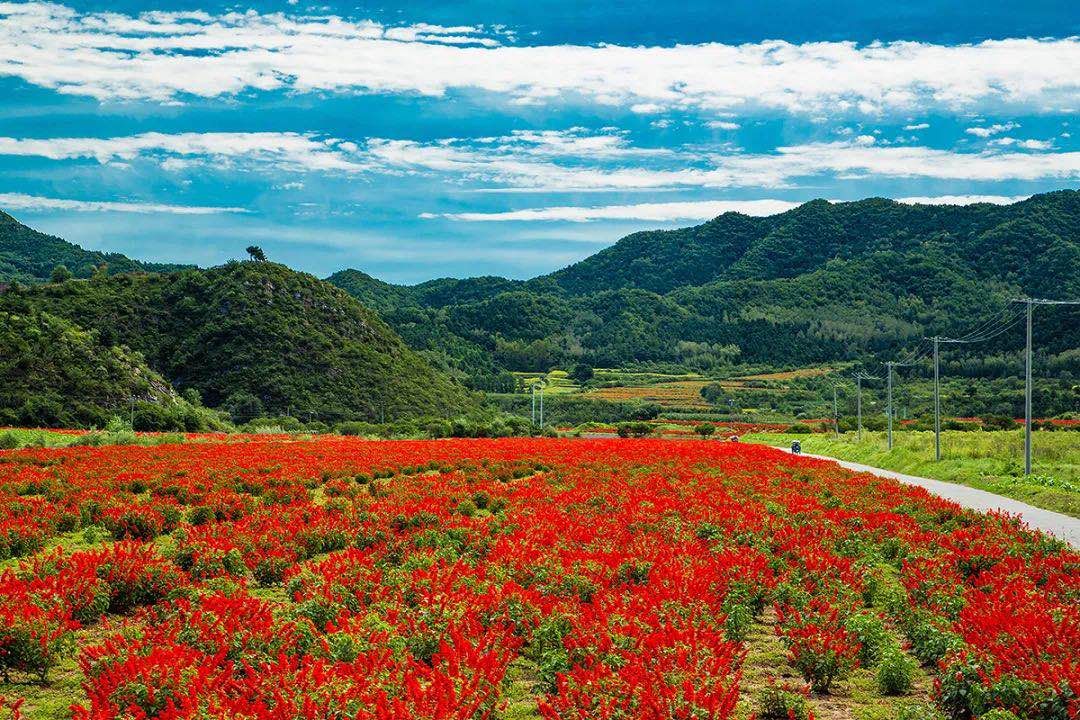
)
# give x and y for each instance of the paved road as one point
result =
(1056, 524)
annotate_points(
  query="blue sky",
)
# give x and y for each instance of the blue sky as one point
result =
(428, 139)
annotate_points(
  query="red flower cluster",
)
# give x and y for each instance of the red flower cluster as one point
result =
(273, 578)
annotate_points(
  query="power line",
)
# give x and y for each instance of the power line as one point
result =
(1029, 305)
(998, 324)
(995, 325)
(989, 331)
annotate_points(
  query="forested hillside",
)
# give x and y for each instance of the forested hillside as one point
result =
(54, 374)
(825, 281)
(257, 336)
(29, 256)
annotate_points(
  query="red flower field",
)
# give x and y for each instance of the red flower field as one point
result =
(464, 579)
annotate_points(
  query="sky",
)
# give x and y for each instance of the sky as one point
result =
(423, 139)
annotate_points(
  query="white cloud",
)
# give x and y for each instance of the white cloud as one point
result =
(722, 125)
(503, 166)
(1026, 144)
(18, 201)
(963, 199)
(917, 126)
(659, 212)
(566, 160)
(607, 143)
(994, 129)
(166, 56)
(292, 151)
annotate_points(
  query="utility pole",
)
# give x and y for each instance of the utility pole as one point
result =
(541, 406)
(835, 415)
(888, 403)
(858, 403)
(1031, 303)
(1027, 394)
(533, 416)
(937, 400)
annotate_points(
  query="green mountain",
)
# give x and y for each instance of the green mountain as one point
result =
(295, 343)
(985, 241)
(54, 374)
(414, 313)
(29, 256)
(824, 281)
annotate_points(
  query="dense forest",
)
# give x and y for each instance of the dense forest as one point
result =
(253, 338)
(824, 281)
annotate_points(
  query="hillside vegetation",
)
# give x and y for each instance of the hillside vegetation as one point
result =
(29, 256)
(54, 374)
(820, 283)
(256, 338)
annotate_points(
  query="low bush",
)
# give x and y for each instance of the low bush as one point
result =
(870, 632)
(737, 624)
(781, 702)
(634, 429)
(822, 660)
(896, 672)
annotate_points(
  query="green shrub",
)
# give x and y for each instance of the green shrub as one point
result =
(705, 429)
(547, 649)
(739, 621)
(998, 714)
(355, 427)
(896, 671)
(201, 515)
(961, 693)
(271, 570)
(437, 429)
(870, 631)
(777, 702)
(998, 422)
(929, 643)
(918, 712)
(32, 645)
(800, 429)
(117, 425)
(821, 667)
(634, 429)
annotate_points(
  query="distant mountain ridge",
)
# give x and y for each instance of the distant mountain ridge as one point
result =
(738, 247)
(27, 255)
(820, 282)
